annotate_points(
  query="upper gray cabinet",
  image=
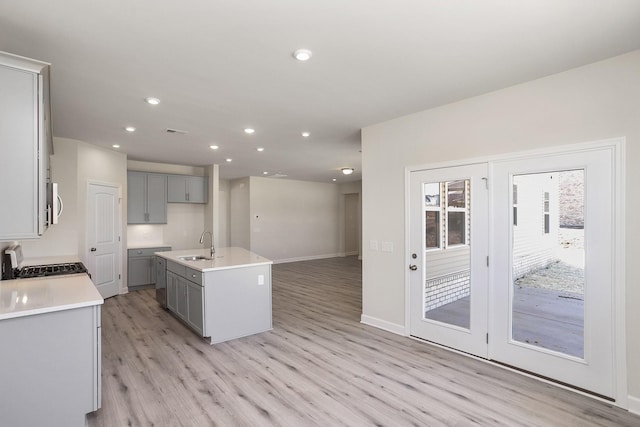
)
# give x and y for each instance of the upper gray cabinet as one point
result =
(25, 143)
(187, 189)
(146, 198)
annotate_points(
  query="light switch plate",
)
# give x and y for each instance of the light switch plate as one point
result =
(387, 246)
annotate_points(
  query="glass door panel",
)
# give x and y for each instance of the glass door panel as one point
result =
(446, 253)
(448, 271)
(548, 261)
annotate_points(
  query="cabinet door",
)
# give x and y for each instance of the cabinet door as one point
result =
(139, 271)
(160, 268)
(136, 198)
(156, 199)
(172, 291)
(177, 189)
(195, 308)
(181, 301)
(19, 158)
(197, 189)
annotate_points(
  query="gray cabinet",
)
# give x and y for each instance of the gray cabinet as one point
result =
(54, 367)
(141, 266)
(25, 143)
(185, 295)
(186, 189)
(172, 291)
(161, 279)
(146, 198)
(222, 304)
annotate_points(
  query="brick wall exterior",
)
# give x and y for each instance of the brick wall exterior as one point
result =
(446, 289)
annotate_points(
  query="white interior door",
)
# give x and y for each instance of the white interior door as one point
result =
(552, 267)
(103, 238)
(448, 259)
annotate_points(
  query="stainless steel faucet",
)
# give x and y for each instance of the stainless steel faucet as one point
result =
(213, 250)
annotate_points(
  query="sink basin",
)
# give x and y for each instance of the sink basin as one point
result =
(194, 258)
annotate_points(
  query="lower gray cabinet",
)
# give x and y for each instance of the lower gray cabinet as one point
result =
(172, 291)
(141, 267)
(195, 308)
(185, 295)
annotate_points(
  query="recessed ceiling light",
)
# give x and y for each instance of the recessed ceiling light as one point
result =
(265, 173)
(302, 54)
(306, 134)
(152, 101)
(260, 149)
(334, 180)
(130, 129)
(347, 171)
(115, 146)
(249, 131)
(214, 147)
(228, 160)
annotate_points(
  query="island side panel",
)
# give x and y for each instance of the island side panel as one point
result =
(237, 302)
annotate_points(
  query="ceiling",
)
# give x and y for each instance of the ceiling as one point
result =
(221, 66)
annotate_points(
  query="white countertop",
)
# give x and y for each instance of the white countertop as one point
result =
(147, 246)
(224, 258)
(25, 297)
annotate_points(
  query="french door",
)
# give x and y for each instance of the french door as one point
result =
(513, 261)
(449, 248)
(552, 267)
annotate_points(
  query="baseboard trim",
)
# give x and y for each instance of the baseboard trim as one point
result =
(382, 324)
(305, 258)
(634, 404)
(124, 290)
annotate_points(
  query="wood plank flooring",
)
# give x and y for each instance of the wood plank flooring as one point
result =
(318, 367)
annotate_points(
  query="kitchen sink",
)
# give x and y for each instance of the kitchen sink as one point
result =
(194, 258)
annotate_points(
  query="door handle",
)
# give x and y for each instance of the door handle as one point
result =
(93, 249)
(413, 267)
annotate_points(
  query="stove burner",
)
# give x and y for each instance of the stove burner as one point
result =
(51, 270)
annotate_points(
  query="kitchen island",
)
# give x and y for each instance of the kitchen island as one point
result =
(220, 297)
(50, 332)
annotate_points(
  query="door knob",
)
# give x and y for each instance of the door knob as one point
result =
(413, 267)
(93, 249)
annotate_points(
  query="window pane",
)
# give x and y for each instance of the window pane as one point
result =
(432, 194)
(456, 194)
(432, 228)
(455, 228)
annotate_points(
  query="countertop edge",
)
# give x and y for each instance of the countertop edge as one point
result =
(45, 310)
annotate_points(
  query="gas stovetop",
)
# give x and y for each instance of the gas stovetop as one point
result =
(50, 270)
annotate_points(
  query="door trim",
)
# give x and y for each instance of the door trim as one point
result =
(119, 219)
(618, 147)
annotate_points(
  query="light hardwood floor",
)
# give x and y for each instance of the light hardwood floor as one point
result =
(319, 366)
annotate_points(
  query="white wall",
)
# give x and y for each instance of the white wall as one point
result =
(73, 165)
(224, 238)
(594, 102)
(61, 238)
(293, 220)
(239, 226)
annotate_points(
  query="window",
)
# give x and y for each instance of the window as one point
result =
(432, 215)
(446, 214)
(546, 212)
(456, 213)
(515, 204)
